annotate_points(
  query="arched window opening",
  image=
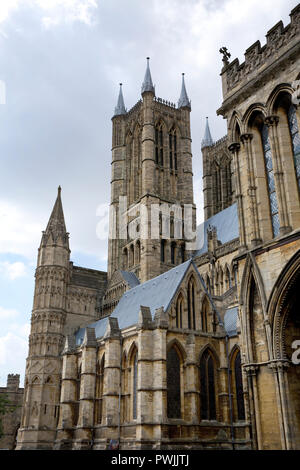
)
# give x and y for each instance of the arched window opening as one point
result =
(138, 252)
(204, 315)
(182, 253)
(238, 387)
(173, 252)
(99, 390)
(294, 132)
(131, 255)
(207, 387)
(134, 386)
(162, 250)
(179, 308)
(77, 397)
(125, 259)
(173, 149)
(270, 179)
(173, 384)
(191, 306)
(159, 152)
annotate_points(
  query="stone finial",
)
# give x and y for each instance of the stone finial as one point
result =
(120, 108)
(147, 83)
(89, 340)
(161, 318)
(226, 55)
(70, 344)
(112, 329)
(145, 318)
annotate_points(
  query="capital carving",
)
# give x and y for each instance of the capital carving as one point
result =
(234, 147)
(251, 370)
(271, 120)
(246, 137)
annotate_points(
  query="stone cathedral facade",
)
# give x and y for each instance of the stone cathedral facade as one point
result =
(181, 345)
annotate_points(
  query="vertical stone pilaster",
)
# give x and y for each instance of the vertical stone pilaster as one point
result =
(272, 121)
(234, 148)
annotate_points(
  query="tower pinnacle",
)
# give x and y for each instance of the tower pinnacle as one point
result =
(56, 227)
(147, 83)
(183, 100)
(207, 139)
(120, 108)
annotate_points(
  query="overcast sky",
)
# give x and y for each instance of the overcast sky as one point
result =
(61, 62)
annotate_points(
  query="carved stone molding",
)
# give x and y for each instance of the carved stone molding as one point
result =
(234, 147)
(271, 120)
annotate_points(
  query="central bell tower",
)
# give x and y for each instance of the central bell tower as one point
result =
(151, 179)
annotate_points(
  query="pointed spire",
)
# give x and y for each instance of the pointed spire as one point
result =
(56, 226)
(147, 83)
(120, 108)
(207, 139)
(184, 99)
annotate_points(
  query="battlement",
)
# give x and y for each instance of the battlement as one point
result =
(218, 143)
(257, 56)
(165, 102)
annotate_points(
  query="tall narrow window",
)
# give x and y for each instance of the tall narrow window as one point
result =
(239, 394)
(159, 145)
(191, 306)
(179, 312)
(182, 253)
(173, 384)
(173, 251)
(99, 390)
(207, 387)
(134, 397)
(294, 131)
(204, 313)
(270, 180)
(162, 250)
(173, 149)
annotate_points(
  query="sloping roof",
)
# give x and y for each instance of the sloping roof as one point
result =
(155, 293)
(226, 223)
(130, 278)
(230, 321)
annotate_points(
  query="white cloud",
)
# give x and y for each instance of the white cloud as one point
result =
(20, 233)
(57, 11)
(13, 270)
(8, 313)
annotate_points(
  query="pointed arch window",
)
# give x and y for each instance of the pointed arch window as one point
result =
(204, 315)
(134, 385)
(239, 393)
(173, 149)
(191, 305)
(179, 308)
(173, 384)
(162, 250)
(182, 253)
(99, 390)
(173, 252)
(270, 180)
(159, 150)
(207, 387)
(294, 131)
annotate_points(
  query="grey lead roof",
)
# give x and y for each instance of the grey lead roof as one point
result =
(147, 83)
(155, 293)
(183, 100)
(130, 278)
(230, 321)
(120, 108)
(227, 225)
(207, 139)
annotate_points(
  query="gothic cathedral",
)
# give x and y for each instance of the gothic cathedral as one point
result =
(188, 341)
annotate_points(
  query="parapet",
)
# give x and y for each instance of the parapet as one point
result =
(256, 57)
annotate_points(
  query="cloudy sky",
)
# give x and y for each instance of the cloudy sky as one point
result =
(60, 65)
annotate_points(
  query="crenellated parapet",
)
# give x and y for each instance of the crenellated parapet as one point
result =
(258, 57)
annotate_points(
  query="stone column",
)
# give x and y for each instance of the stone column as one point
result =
(272, 121)
(191, 393)
(234, 148)
(87, 391)
(145, 380)
(112, 381)
(68, 397)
